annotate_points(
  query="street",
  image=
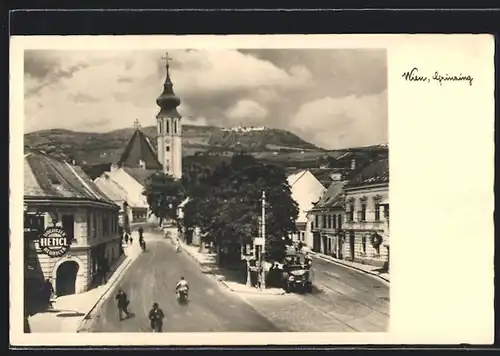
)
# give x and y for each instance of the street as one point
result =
(152, 278)
(343, 300)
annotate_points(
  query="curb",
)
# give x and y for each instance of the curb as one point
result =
(204, 267)
(351, 267)
(124, 266)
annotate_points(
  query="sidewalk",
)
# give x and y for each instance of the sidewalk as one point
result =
(70, 311)
(372, 270)
(207, 261)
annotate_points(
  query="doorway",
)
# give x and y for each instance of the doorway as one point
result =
(66, 278)
(351, 245)
(316, 242)
(325, 245)
(340, 252)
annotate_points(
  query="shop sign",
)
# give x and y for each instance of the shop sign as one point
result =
(54, 242)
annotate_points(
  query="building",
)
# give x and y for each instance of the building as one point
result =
(59, 194)
(365, 226)
(125, 181)
(169, 129)
(306, 190)
(325, 222)
(385, 233)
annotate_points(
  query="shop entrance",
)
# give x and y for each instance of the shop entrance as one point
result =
(66, 278)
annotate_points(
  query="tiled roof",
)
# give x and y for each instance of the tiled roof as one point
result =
(110, 188)
(48, 177)
(139, 149)
(140, 174)
(375, 172)
(332, 198)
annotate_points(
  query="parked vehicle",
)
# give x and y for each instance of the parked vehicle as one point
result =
(297, 272)
(298, 279)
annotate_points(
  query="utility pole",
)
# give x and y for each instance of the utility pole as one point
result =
(263, 248)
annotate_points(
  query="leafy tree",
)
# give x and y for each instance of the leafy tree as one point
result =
(163, 194)
(226, 204)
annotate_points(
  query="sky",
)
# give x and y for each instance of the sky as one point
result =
(333, 98)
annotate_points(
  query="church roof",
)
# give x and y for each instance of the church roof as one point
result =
(139, 149)
(48, 177)
(139, 174)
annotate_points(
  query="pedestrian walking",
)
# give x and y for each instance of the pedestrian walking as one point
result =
(126, 238)
(131, 240)
(122, 303)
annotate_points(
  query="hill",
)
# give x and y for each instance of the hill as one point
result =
(204, 144)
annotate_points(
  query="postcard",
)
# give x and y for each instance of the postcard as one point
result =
(229, 190)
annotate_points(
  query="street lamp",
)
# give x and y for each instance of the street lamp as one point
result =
(263, 248)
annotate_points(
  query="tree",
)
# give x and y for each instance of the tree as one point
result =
(164, 195)
(227, 204)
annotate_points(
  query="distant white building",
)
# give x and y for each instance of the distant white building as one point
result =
(244, 129)
(306, 190)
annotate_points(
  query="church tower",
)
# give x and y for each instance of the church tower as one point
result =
(169, 128)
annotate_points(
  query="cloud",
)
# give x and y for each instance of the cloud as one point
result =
(247, 110)
(107, 90)
(344, 122)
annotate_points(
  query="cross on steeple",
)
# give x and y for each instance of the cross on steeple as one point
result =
(137, 125)
(167, 59)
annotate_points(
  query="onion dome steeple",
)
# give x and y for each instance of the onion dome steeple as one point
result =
(168, 101)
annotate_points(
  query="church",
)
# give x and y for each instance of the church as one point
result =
(124, 182)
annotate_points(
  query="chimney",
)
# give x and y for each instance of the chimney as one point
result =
(353, 164)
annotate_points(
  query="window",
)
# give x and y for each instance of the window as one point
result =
(34, 225)
(53, 178)
(334, 218)
(329, 221)
(312, 225)
(386, 212)
(159, 126)
(363, 244)
(175, 126)
(302, 236)
(377, 212)
(339, 221)
(105, 225)
(167, 148)
(88, 224)
(167, 128)
(350, 213)
(324, 222)
(68, 225)
(316, 218)
(362, 215)
(94, 225)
